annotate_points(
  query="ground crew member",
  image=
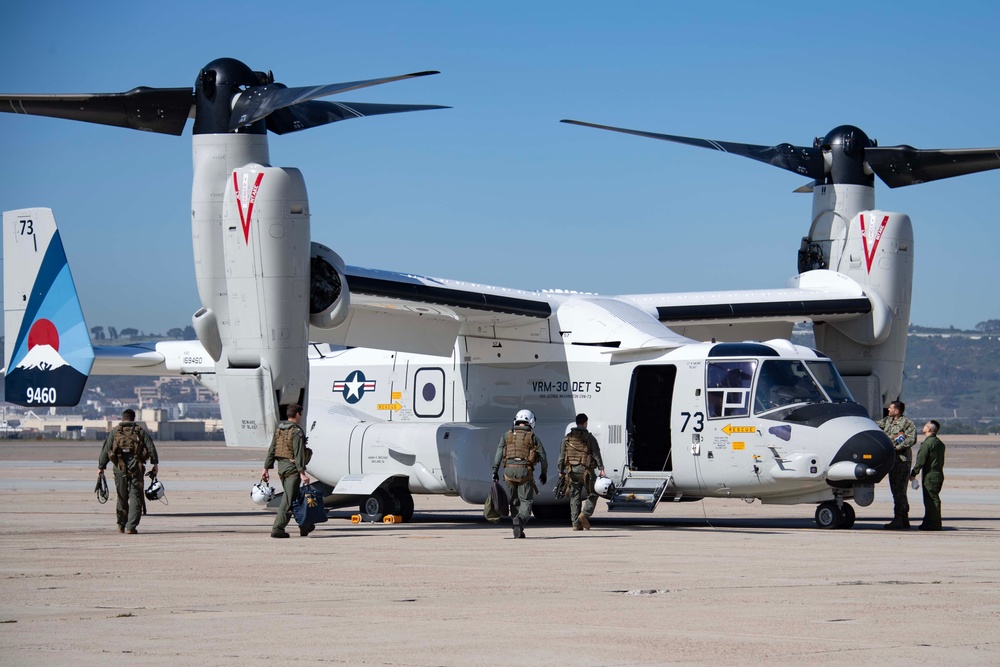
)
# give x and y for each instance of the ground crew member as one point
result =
(903, 434)
(519, 450)
(128, 446)
(930, 460)
(288, 448)
(579, 455)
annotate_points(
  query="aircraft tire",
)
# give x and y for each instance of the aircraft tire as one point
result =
(849, 516)
(376, 506)
(829, 516)
(402, 502)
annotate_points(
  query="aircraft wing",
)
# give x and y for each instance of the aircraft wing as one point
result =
(419, 314)
(816, 296)
(179, 357)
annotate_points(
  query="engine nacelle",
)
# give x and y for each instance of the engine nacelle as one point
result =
(329, 297)
(875, 249)
(266, 248)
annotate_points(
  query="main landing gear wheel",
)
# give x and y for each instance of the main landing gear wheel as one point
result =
(402, 502)
(828, 515)
(377, 505)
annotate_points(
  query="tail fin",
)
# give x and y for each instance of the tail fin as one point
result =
(48, 361)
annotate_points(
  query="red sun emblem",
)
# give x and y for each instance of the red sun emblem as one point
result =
(43, 332)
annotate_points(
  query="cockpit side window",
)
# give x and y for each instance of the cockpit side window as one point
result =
(727, 388)
(782, 383)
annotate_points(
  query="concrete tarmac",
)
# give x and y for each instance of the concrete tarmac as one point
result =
(712, 582)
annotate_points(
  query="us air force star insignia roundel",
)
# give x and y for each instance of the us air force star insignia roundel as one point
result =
(354, 387)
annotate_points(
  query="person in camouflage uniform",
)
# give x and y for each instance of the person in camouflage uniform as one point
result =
(579, 455)
(128, 446)
(288, 449)
(519, 450)
(930, 460)
(903, 434)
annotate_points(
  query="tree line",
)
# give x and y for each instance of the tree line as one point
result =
(98, 333)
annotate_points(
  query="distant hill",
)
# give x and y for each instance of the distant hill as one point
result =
(954, 378)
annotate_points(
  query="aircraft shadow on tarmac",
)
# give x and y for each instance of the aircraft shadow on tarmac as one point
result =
(472, 520)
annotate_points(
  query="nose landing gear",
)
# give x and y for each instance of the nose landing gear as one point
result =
(832, 514)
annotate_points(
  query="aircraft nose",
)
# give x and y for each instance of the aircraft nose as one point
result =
(867, 456)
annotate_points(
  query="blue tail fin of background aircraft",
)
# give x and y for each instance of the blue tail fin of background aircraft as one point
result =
(48, 362)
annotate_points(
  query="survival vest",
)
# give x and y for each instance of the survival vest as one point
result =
(519, 443)
(128, 448)
(578, 449)
(283, 447)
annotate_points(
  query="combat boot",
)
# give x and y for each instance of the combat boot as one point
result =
(899, 522)
(518, 526)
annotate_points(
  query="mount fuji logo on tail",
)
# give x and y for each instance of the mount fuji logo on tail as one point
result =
(43, 348)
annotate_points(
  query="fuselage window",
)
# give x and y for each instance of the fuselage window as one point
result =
(782, 383)
(727, 388)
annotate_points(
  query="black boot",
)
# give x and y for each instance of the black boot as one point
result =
(899, 522)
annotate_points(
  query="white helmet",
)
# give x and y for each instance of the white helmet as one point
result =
(525, 416)
(155, 490)
(604, 487)
(261, 494)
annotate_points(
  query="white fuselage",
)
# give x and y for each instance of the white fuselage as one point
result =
(437, 421)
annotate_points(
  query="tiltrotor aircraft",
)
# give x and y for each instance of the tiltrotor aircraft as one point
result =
(410, 381)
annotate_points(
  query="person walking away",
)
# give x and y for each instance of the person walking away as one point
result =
(288, 450)
(128, 446)
(579, 455)
(519, 450)
(930, 461)
(903, 434)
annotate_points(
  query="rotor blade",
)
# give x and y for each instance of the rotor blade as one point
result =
(797, 159)
(899, 166)
(316, 112)
(163, 110)
(259, 101)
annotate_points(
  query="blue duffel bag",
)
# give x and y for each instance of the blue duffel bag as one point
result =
(308, 508)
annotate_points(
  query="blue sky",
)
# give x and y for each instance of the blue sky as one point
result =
(496, 190)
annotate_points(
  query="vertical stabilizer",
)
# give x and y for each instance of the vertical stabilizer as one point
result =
(47, 348)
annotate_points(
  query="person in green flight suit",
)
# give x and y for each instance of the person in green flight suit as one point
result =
(903, 434)
(288, 449)
(128, 446)
(579, 455)
(519, 450)
(930, 460)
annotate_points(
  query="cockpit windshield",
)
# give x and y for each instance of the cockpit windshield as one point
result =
(787, 382)
(831, 382)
